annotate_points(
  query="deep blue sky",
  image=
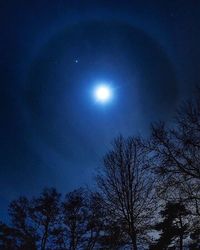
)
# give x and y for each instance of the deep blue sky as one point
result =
(52, 132)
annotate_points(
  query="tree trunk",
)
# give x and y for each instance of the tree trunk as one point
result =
(181, 242)
(44, 238)
(134, 241)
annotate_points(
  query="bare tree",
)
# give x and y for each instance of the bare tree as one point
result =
(21, 233)
(175, 157)
(128, 188)
(176, 153)
(22, 229)
(74, 218)
(177, 148)
(95, 220)
(45, 214)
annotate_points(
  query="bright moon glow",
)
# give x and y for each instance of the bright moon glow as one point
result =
(103, 93)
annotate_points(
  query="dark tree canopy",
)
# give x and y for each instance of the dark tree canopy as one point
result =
(172, 226)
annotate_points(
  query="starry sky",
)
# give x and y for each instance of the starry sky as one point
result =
(53, 53)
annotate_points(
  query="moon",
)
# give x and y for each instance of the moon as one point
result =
(103, 93)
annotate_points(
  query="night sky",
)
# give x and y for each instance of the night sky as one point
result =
(53, 54)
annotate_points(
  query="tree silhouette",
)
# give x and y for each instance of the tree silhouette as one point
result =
(75, 214)
(175, 158)
(176, 151)
(45, 214)
(127, 187)
(21, 234)
(95, 221)
(172, 226)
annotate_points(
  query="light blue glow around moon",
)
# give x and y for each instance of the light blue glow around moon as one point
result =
(102, 93)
